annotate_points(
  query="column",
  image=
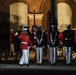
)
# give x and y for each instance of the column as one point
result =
(38, 20)
(53, 8)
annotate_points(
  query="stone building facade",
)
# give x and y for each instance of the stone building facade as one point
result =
(40, 7)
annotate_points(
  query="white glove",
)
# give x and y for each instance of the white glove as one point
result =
(48, 46)
(34, 46)
(16, 33)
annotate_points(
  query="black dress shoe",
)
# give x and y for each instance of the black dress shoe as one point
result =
(68, 63)
(20, 64)
(39, 63)
(27, 65)
(53, 63)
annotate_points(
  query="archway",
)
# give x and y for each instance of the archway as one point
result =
(18, 15)
(64, 15)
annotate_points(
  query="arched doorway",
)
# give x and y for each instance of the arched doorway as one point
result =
(64, 15)
(18, 15)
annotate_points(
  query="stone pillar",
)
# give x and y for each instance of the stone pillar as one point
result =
(18, 15)
(38, 20)
(53, 8)
(23, 12)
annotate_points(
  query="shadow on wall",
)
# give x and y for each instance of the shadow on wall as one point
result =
(14, 22)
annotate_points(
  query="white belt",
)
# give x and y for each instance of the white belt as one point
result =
(24, 42)
(34, 37)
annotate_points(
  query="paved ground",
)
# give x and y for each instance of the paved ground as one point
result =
(44, 66)
(60, 68)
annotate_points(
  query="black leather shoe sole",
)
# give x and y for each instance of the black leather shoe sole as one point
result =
(20, 65)
(27, 65)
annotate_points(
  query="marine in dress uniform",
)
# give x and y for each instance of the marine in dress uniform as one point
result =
(29, 34)
(25, 40)
(54, 43)
(33, 39)
(68, 42)
(39, 45)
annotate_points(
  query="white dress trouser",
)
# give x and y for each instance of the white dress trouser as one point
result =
(25, 57)
(53, 54)
(68, 54)
(39, 53)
